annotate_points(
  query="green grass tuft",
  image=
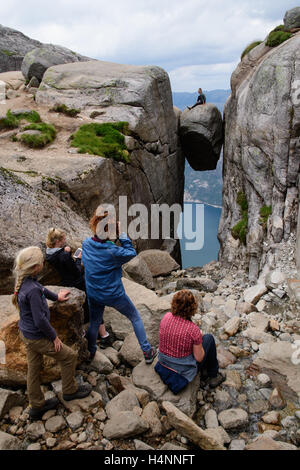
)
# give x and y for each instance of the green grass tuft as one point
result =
(250, 47)
(62, 108)
(241, 228)
(9, 122)
(12, 121)
(277, 37)
(103, 139)
(264, 213)
(48, 134)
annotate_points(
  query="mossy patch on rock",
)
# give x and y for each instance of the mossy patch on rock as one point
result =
(105, 140)
(46, 136)
(241, 228)
(249, 48)
(62, 108)
(12, 120)
(264, 213)
(277, 36)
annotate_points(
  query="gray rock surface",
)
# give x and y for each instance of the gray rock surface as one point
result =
(21, 206)
(124, 401)
(189, 429)
(291, 19)
(8, 400)
(8, 442)
(124, 424)
(140, 95)
(275, 359)
(13, 47)
(37, 61)
(201, 135)
(264, 168)
(145, 377)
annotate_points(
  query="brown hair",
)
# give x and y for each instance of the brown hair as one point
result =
(184, 304)
(26, 262)
(110, 229)
(54, 235)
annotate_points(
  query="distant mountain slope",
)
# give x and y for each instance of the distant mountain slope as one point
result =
(203, 186)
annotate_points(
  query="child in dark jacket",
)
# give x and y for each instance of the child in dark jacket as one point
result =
(59, 255)
(39, 336)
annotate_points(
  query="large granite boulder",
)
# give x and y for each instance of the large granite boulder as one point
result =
(145, 377)
(140, 95)
(66, 318)
(291, 19)
(261, 157)
(25, 219)
(201, 135)
(280, 362)
(13, 47)
(37, 61)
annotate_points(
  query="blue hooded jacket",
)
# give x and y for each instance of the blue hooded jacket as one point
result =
(103, 267)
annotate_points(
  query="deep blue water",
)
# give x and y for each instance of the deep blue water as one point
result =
(204, 221)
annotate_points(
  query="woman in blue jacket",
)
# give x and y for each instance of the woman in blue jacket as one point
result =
(102, 260)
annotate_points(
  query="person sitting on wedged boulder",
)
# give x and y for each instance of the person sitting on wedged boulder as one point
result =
(59, 255)
(39, 336)
(183, 351)
(200, 100)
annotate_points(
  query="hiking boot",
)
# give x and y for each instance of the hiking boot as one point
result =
(37, 413)
(215, 381)
(150, 355)
(104, 342)
(82, 392)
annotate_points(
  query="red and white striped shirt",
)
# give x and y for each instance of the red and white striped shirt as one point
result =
(177, 336)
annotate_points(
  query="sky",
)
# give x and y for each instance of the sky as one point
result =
(197, 42)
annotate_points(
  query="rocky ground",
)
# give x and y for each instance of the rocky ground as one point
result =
(257, 407)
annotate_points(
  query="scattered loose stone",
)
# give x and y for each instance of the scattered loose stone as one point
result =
(35, 430)
(140, 445)
(211, 419)
(8, 442)
(276, 399)
(55, 424)
(233, 418)
(50, 442)
(237, 444)
(75, 420)
(264, 380)
(273, 417)
(35, 446)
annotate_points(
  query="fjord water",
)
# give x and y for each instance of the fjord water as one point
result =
(210, 222)
(205, 187)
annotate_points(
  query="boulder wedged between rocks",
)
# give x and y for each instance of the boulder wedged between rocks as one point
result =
(201, 136)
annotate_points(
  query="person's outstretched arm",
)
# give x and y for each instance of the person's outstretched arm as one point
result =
(126, 252)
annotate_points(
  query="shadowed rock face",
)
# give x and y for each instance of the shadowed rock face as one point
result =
(261, 155)
(37, 61)
(13, 47)
(201, 136)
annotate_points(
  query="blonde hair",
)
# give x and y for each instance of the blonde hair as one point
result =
(26, 262)
(54, 235)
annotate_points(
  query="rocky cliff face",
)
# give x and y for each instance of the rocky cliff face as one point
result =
(140, 95)
(15, 46)
(261, 156)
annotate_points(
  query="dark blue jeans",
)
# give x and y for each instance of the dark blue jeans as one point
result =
(125, 306)
(210, 362)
